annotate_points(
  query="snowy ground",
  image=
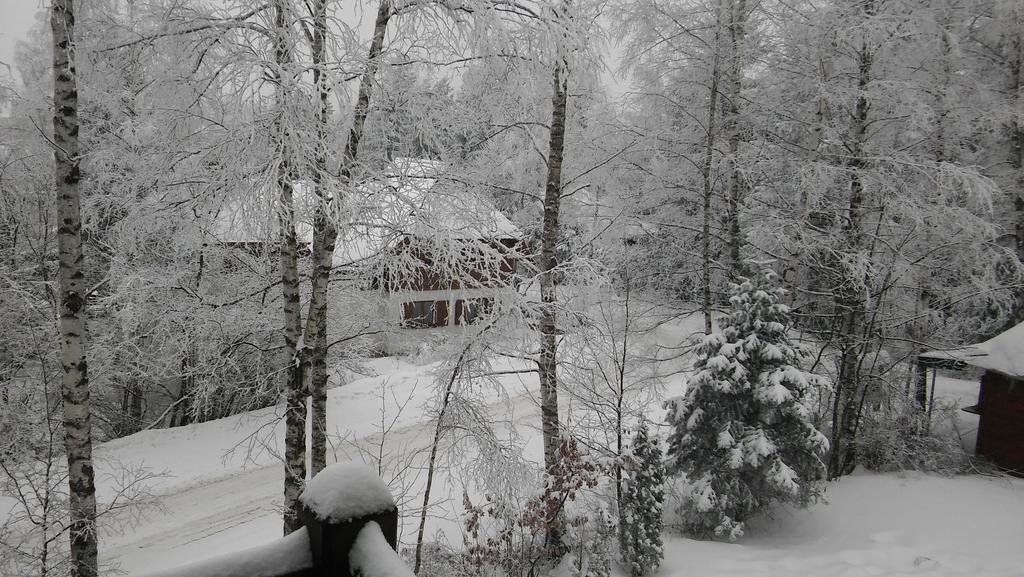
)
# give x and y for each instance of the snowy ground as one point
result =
(222, 484)
(877, 525)
(217, 495)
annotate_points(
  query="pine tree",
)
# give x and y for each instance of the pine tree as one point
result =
(643, 498)
(741, 436)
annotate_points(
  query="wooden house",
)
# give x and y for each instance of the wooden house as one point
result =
(1000, 406)
(437, 254)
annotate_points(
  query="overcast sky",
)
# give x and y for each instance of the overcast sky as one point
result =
(16, 19)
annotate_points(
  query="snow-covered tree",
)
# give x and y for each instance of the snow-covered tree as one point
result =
(73, 295)
(741, 437)
(643, 498)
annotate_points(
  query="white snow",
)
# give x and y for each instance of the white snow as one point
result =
(872, 524)
(286, 555)
(875, 525)
(346, 491)
(371, 555)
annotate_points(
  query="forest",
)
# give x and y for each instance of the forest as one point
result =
(714, 236)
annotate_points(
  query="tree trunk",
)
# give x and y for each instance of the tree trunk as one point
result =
(75, 381)
(432, 461)
(295, 397)
(318, 376)
(737, 32)
(1017, 140)
(325, 233)
(709, 149)
(548, 364)
(921, 327)
(849, 295)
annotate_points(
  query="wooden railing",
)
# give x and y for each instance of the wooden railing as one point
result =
(350, 528)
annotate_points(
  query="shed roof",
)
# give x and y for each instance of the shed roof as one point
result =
(1003, 353)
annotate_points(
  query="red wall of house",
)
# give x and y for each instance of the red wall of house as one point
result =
(1001, 423)
(427, 276)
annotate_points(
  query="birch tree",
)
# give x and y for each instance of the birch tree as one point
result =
(325, 231)
(73, 295)
(295, 387)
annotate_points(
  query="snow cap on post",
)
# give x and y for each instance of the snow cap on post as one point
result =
(346, 491)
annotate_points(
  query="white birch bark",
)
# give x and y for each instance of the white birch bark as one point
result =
(318, 377)
(72, 329)
(295, 395)
(325, 234)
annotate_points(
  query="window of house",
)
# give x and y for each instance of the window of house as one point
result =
(418, 314)
(473, 309)
(425, 314)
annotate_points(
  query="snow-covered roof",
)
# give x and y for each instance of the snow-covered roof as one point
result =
(1003, 353)
(404, 201)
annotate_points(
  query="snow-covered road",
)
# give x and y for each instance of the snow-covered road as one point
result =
(218, 495)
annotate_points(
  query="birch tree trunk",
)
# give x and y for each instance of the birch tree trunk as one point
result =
(75, 374)
(318, 377)
(325, 233)
(709, 149)
(295, 397)
(737, 33)
(849, 295)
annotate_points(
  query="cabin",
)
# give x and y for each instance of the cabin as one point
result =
(1000, 406)
(438, 254)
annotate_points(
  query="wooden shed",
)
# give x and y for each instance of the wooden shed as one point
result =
(1000, 407)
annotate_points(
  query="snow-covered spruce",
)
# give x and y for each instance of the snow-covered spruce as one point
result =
(640, 513)
(741, 437)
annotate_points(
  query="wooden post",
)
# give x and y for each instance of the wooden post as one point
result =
(335, 506)
(331, 541)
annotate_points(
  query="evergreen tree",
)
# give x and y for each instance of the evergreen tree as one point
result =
(741, 436)
(643, 497)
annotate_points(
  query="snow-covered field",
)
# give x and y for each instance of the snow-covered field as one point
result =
(217, 497)
(221, 482)
(872, 524)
